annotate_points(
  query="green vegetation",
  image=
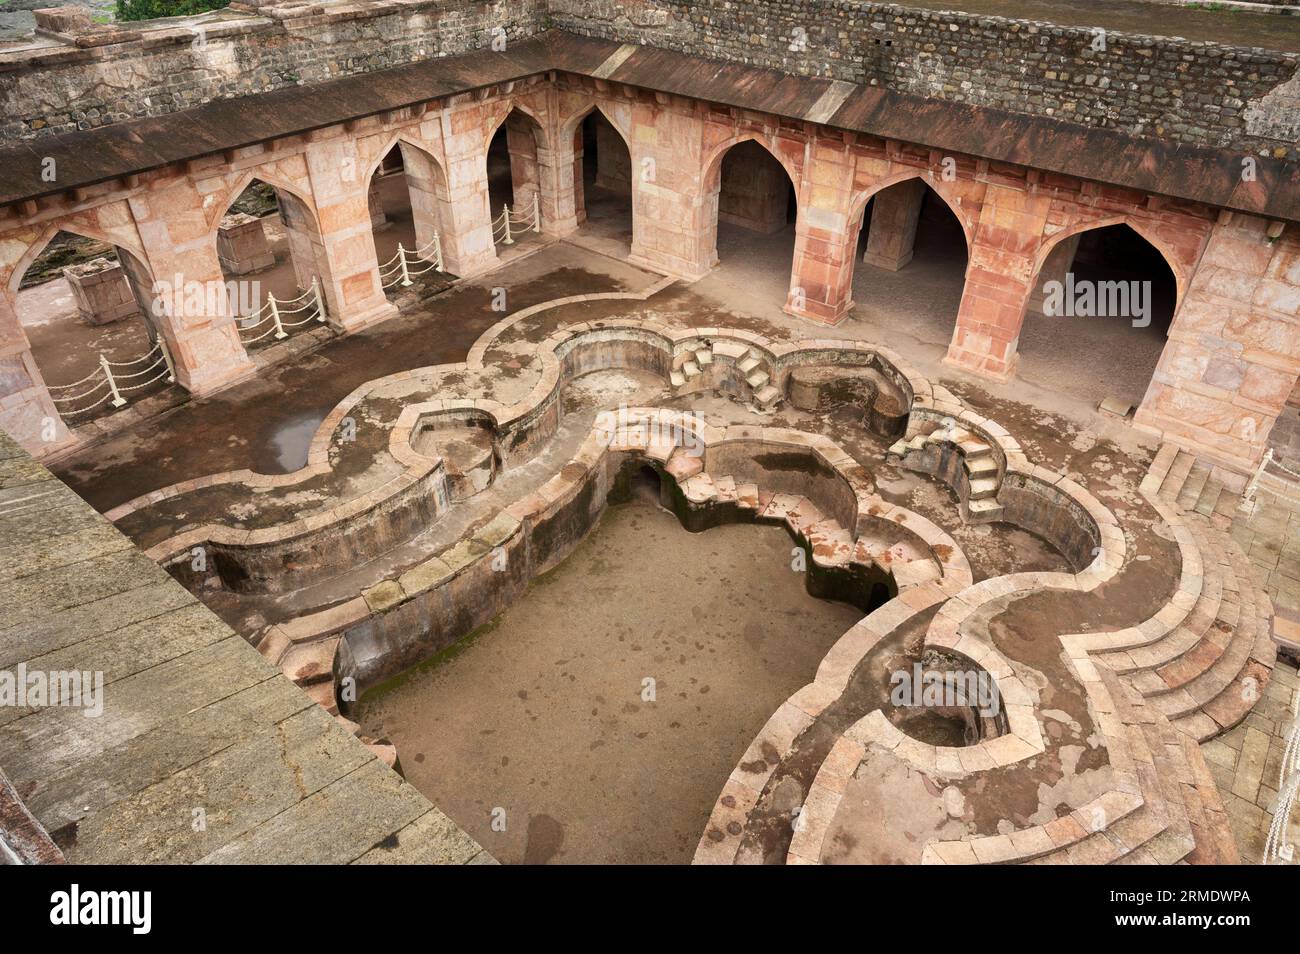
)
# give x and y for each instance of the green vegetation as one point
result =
(152, 9)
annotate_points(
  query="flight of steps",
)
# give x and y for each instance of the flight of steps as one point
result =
(1206, 673)
(698, 356)
(831, 544)
(980, 502)
(1177, 477)
(1181, 818)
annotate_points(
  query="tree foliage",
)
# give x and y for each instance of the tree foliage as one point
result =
(152, 9)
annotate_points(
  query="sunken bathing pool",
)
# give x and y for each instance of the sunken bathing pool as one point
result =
(544, 716)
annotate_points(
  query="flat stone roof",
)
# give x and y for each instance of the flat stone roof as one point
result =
(195, 723)
(1107, 156)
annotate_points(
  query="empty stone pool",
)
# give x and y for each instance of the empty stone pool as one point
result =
(540, 718)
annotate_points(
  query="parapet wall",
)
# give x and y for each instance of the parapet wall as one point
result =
(1168, 88)
(127, 71)
(1198, 93)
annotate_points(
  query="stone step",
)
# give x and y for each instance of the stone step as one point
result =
(698, 489)
(726, 489)
(748, 364)
(983, 487)
(1196, 480)
(1219, 695)
(691, 370)
(767, 395)
(730, 349)
(987, 507)
(1159, 468)
(309, 663)
(683, 464)
(1207, 504)
(982, 465)
(1230, 707)
(1177, 476)
(757, 380)
(677, 378)
(747, 496)
(1209, 611)
(704, 357)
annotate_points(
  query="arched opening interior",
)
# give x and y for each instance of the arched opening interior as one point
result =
(910, 262)
(83, 303)
(1103, 299)
(392, 205)
(514, 175)
(756, 209)
(602, 184)
(269, 246)
(409, 206)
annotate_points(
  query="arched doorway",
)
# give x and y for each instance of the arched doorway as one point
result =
(514, 177)
(1099, 315)
(602, 185)
(750, 218)
(409, 206)
(91, 314)
(269, 247)
(910, 262)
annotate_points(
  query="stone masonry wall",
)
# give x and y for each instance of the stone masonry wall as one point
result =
(169, 66)
(1172, 89)
(1169, 88)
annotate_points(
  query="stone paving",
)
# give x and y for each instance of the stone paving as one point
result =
(1246, 762)
(203, 751)
(1271, 538)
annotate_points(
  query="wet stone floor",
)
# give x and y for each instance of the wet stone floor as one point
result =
(541, 714)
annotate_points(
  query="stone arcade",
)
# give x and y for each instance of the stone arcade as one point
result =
(408, 297)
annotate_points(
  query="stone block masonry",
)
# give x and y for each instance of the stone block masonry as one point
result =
(171, 67)
(196, 725)
(1176, 90)
(1161, 87)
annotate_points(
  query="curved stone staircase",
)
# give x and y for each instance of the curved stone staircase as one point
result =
(1207, 672)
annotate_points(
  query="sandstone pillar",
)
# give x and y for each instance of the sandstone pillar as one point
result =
(579, 196)
(999, 282)
(1233, 354)
(821, 282)
(302, 237)
(378, 220)
(189, 306)
(895, 212)
(467, 244)
(674, 204)
(354, 296)
(27, 412)
(426, 187)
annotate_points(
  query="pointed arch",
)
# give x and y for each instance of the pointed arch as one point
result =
(859, 207)
(1141, 228)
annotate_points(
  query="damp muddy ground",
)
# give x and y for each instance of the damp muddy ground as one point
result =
(542, 713)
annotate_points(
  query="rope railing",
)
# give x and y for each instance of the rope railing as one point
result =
(506, 225)
(272, 314)
(1277, 849)
(407, 264)
(1249, 503)
(106, 379)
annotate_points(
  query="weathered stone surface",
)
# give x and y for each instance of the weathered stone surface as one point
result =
(201, 744)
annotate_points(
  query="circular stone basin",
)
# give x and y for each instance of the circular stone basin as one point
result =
(468, 454)
(822, 387)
